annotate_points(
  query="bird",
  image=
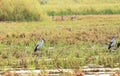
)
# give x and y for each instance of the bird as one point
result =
(39, 45)
(118, 44)
(112, 43)
(73, 17)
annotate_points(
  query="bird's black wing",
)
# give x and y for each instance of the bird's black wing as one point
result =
(118, 44)
(110, 45)
(35, 48)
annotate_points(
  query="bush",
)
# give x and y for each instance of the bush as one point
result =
(21, 10)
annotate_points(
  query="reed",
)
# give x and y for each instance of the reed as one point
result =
(22, 10)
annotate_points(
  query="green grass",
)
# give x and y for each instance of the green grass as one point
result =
(81, 7)
(81, 42)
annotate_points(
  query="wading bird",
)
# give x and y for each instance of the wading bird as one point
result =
(112, 43)
(39, 45)
(73, 17)
(118, 44)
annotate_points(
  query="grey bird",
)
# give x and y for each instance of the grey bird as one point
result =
(118, 44)
(112, 43)
(39, 45)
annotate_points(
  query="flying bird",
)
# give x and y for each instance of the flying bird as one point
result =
(39, 45)
(118, 44)
(112, 43)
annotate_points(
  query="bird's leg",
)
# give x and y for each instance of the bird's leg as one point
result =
(110, 50)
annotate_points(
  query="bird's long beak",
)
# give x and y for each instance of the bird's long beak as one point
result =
(45, 41)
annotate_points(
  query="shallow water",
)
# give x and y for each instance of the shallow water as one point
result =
(99, 75)
(57, 72)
